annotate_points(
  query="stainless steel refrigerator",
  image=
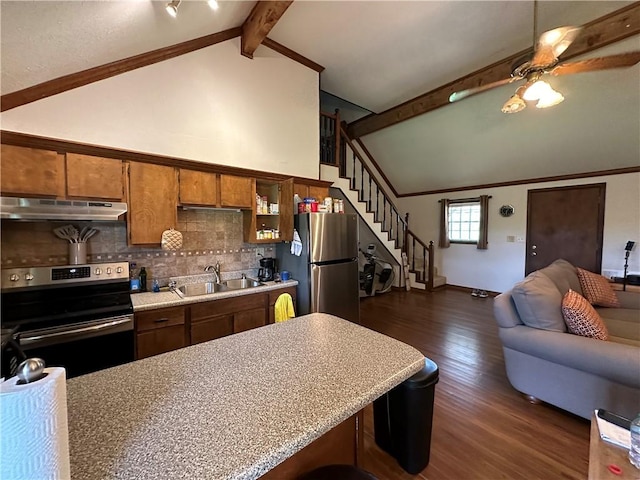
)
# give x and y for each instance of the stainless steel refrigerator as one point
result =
(327, 268)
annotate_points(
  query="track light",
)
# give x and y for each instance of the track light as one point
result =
(172, 8)
(213, 4)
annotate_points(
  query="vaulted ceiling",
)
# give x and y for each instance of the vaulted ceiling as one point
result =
(377, 55)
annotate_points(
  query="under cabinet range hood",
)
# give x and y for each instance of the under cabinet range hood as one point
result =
(50, 209)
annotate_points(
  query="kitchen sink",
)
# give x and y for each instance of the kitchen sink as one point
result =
(193, 289)
(204, 288)
(240, 283)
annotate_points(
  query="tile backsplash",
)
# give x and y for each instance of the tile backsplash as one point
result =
(208, 236)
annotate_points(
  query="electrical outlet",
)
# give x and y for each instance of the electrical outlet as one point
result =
(511, 238)
(260, 252)
(519, 239)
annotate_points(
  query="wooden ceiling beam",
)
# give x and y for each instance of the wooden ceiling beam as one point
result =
(263, 17)
(603, 31)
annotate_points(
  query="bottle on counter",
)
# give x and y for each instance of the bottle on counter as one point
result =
(143, 279)
(134, 281)
(155, 286)
(634, 449)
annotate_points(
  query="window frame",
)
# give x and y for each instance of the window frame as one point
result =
(467, 201)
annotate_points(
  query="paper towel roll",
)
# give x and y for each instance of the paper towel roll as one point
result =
(34, 442)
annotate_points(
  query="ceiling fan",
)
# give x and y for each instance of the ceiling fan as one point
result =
(548, 48)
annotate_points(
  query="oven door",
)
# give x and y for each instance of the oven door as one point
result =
(83, 347)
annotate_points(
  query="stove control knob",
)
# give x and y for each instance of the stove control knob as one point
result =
(28, 277)
(98, 271)
(14, 277)
(119, 270)
(108, 270)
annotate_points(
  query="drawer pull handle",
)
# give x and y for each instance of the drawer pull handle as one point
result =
(160, 320)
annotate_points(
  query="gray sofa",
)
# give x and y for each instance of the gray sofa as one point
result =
(575, 373)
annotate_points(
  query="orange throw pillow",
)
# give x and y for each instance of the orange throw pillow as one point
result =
(597, 289)
(581, 318)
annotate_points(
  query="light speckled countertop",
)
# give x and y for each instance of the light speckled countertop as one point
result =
(153, 300)
(232, 408)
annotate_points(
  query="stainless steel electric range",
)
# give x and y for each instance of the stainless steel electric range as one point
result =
(76, 316)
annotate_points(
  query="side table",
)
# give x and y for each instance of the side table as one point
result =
(602, 454)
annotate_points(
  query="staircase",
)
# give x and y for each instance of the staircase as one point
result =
(346, 168)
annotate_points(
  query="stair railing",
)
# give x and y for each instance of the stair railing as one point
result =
(333, 142)
(419, 257)
(373, 194)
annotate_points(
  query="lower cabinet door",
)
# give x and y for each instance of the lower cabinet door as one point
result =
(211, 328)
(160, 340)
(250, 319)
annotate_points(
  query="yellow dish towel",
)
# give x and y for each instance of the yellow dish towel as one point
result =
(284, 308)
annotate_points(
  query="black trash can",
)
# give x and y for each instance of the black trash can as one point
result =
(402, 419)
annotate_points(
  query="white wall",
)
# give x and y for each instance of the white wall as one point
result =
(212, 105)
(502, 265)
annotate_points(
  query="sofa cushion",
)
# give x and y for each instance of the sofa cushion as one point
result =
(581, 317)
(563, 275)
(539, 302)
(622, 323)
(597, 289)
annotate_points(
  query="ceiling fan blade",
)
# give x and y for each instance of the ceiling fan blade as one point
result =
(552, 44)
(457, 96)
(601, 63)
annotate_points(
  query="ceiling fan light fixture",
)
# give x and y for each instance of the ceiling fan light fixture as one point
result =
(213, 4)
(514, 105)
(172, 8)
(537, 90)
(550, 99)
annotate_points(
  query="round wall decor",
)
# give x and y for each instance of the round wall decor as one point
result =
(507, 210)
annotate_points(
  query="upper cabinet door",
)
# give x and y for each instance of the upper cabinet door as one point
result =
(286, 210)
(236, 191)
(319, 193)
(153, 202)
(31, 172)
(198, 188)
(94, 177)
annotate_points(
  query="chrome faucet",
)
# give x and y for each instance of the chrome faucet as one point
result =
(215, 269)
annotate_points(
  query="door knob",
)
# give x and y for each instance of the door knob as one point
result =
(534, 246)
(533, 254)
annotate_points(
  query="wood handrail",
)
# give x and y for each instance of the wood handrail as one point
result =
(330, 115)
(366, 167)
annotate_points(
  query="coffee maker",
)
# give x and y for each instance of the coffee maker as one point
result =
(267, 269)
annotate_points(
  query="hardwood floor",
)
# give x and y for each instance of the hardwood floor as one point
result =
(482, 427)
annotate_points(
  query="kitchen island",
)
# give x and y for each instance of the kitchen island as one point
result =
(232, 408)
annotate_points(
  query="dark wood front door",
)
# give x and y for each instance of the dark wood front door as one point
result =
(565, 222)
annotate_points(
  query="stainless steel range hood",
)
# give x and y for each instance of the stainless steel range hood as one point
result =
(49, 209)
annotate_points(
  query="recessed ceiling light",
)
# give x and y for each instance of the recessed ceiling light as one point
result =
(213, 4)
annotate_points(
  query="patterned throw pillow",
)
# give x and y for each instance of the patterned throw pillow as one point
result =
(581, 317)
(597, 289)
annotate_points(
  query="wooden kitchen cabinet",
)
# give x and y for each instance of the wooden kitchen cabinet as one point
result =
(153, 202)
(311, 191)
(273, 297)
(159, 331)
(218, 318)
(198, 188)
(94, 177)
(257, 222)
(236, 191)
(243, 321)
(31, 172)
